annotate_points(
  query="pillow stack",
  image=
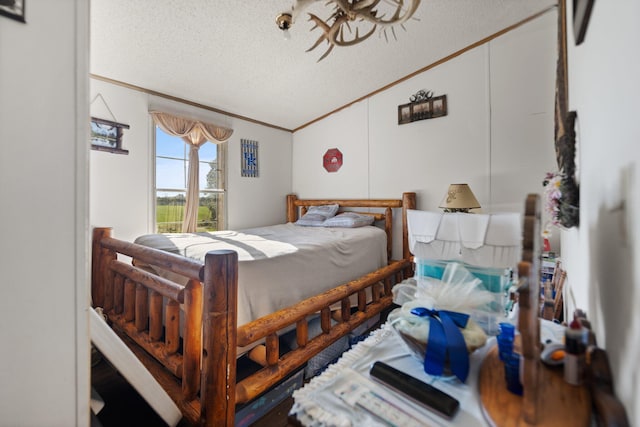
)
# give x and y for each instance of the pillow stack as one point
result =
(325, 216)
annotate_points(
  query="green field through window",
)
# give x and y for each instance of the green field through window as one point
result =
(169, 219)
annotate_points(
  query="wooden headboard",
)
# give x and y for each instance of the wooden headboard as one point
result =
(297, 207)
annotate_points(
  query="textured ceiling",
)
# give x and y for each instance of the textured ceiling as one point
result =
(230, 55)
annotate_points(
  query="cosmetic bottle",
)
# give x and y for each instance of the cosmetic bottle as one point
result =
(575, 342)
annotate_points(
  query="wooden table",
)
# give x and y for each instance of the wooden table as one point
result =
(559, 403)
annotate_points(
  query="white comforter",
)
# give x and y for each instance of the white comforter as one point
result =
(283, 264)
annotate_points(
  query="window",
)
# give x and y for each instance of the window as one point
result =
(172, 164)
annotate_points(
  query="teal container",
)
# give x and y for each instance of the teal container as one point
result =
(494, 280)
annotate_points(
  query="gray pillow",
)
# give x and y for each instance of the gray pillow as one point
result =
(349, 220)
(316, 215)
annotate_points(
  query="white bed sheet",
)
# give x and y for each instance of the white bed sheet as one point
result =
(283, 264)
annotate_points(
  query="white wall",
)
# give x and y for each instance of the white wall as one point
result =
(347, 131)
(121, 185)
(522, 80)
(44, 350)
(255, 202)
(602, 255)
(497, 136)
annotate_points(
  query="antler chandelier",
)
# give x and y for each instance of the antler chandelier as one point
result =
(369, 14)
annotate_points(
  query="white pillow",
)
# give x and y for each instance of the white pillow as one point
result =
(316, 215)
(349, 220)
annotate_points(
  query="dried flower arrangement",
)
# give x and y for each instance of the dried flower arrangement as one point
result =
(561, 192)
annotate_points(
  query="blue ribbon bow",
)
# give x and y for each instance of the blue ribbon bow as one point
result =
(445, 338)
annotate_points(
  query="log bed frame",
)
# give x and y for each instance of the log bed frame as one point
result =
(197, 365)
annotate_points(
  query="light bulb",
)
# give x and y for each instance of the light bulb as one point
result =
(284, 21)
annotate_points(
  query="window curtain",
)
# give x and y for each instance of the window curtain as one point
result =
(195, 133)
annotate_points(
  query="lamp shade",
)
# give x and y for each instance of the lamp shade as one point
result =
(459, 198)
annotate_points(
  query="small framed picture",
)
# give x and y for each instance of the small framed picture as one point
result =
(421, 110)
(427, 108)
(439, 106)
(13, 9)
(404, 114)
(107, 136)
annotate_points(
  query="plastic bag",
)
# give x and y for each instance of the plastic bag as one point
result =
(458, 291)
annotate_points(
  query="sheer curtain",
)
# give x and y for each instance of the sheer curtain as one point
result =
(195, 133)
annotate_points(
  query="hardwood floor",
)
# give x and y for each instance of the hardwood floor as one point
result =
(123, 406)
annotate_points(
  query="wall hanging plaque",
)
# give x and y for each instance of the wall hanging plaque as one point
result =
(249, 158)
(332, 160)
(107, 136)
(423, 106)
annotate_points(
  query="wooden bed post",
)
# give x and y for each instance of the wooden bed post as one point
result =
(292, 209)
(192, 353)
(408, 202)
(98, 268)
(388, 225)
(529, 302)
(219, 323)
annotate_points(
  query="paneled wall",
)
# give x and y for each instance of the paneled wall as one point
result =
(602, 256)
(497, 135)
(44, 332)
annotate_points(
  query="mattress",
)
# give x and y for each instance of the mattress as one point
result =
(282, 264)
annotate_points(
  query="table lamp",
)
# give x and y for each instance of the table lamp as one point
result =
(459, 198)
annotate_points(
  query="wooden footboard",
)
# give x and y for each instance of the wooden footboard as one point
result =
(196, 362)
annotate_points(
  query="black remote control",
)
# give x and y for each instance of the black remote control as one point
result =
(418, 391)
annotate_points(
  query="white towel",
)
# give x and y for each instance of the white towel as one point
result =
(423, 228)
(484, 240)
(473, 229)
(448, 230)
(504, 230)
(502, 243)
(423, 225)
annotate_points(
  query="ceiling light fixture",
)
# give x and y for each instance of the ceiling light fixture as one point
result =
(284, 21)
(336, 30)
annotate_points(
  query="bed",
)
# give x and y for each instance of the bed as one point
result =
(186, 316)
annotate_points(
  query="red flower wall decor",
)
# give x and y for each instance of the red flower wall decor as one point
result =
(332, 160)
